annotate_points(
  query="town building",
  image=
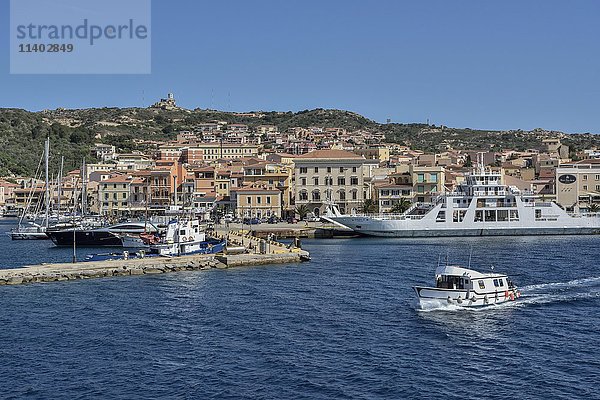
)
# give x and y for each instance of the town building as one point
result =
(330, 176)
(257, 201)
(578, 185)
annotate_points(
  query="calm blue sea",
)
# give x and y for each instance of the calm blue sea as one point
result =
(343, 326)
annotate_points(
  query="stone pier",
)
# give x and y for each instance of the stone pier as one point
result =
(259, 252)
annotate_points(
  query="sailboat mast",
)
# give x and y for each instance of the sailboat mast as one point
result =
(59, 182)
(47, 155)
(83, 189)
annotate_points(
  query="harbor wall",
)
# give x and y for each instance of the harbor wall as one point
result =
(146, 266)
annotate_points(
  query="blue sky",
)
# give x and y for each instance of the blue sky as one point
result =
(481, 64)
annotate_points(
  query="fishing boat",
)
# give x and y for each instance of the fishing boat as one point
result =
(183, 237)
(467, 288)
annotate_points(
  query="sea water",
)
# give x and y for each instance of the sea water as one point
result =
(342, 326)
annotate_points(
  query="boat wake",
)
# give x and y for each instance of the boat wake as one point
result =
(581, 282)
(532, 295)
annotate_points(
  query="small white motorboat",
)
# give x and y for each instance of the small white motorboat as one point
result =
(467, 288)
(184, 236)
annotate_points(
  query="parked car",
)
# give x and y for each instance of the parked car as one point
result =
(292, 220)
(313, 219)
(251, 221)
(273, 219)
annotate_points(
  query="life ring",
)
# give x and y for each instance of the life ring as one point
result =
(505, 294)
(512, 296)
(191, 239)
(485, 299)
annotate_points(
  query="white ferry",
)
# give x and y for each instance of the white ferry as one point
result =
(467, 288)
(481, 206)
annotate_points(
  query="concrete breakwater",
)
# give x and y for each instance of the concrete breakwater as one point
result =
(144, 266)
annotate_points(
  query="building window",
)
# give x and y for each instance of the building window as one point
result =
(585, 187)
(353, 169)
(341, 181)
(303, 170)
(303, 195)
(124, 195)
(316, 195)
(316, 181)
(303, 181)
(258, 200)
(385, 192)
(421, 178)
(342, 195)
(342, 169)
(585, 177)
(248, 200)
(433, 178)
(316, 170)
(420, 189)
(354, 180)
(354, 194)
(329, 170)
(268, 199)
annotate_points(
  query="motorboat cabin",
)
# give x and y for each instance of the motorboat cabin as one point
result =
(468, 288)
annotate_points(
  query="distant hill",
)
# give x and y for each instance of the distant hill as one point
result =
(73, 132)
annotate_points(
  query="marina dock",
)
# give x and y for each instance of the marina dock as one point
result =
(244, 251)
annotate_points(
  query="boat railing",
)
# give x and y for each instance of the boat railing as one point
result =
(388, 216)
(584, 214)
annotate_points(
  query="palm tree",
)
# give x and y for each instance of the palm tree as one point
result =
(369, 206)
(401, 206)
(302, 211)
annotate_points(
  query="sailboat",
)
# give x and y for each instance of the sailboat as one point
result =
(32, 230)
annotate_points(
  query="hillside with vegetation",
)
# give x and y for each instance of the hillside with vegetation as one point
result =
(73, 132)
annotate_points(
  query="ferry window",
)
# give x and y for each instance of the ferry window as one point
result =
(481, 284)
(478, 216)
(182, 233)
(441, 216)
(501, 282)
(490, 215)
(496, 282)
(502, 215)
(538, 213)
